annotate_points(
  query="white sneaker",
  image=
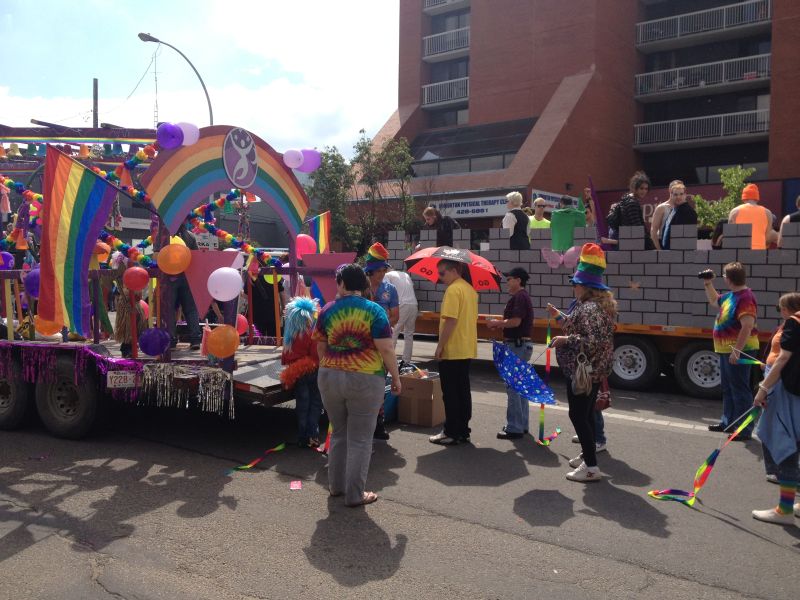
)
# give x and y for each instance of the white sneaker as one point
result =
(772, 478)
(577, 461)
(575, 439)
(585, 474)
(773, 516)
(600, 447)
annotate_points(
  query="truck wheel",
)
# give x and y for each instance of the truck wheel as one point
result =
(68, 410)
(697, 370)
(15, 402)
(636, 363)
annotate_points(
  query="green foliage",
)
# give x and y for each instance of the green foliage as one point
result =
(710, 212)
(331, 185)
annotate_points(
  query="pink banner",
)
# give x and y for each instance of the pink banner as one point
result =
(326, 283)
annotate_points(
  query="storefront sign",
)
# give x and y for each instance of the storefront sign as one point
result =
(552, 200)
(472, 207)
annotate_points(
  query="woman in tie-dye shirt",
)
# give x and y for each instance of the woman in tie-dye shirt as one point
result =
(355, 351)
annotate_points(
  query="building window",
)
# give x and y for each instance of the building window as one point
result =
(450, 21)
(450, 69)
(448, 118)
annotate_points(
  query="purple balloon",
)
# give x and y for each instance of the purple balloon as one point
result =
(311, 161)
(154, 342)
(31, 283)
(8, 261)
(169, 135)
(293, 159)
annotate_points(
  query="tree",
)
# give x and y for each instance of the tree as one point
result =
(331, 184)
(711, 212)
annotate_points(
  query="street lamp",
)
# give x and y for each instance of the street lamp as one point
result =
(146, 37)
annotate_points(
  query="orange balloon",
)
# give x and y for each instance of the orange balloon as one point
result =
(223, 341)
(46, 327)
(174, 259)
(102, 250)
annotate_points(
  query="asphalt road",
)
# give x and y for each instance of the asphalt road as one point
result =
(146, 509)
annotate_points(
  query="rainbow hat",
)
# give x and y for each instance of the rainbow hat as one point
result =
(377, 257)
(591, 266)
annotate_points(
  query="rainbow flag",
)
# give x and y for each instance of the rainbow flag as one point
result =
(76, 205)
(320, 229)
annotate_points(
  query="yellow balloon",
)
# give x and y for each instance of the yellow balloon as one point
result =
(268, 278)
(176, 240)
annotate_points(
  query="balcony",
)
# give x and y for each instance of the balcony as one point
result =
(446, 46)
(707, 78)
(733, 20)
(445, 93)
(731, 128)
(437, 7)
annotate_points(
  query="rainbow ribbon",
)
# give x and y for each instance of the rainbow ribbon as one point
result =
(542, 440)
(702, 474)
(253, 463)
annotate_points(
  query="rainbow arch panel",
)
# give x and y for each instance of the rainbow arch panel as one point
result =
(182, 179)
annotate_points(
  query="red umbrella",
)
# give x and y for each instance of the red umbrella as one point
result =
(478, 271)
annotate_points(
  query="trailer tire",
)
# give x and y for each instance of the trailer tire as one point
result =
(68, 410)
(16, 401)
(697, 370)
(637, 363)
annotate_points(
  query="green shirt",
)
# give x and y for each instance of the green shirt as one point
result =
(563, 222)
(543, 224)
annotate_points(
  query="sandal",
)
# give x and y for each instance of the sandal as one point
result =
(368, 498)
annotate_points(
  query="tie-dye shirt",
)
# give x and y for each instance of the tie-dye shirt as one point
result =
(349, 326)
(732, 307)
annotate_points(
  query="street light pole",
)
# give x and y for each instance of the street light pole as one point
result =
(146, 37)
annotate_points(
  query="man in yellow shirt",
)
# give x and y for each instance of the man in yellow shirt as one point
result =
(537, 220)
(458, 345)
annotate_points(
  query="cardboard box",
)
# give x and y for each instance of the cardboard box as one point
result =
(421, 402)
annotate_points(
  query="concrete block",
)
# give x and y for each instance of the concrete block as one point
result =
(491, 255)
(643, 305)
(680, 319)
(631, 232)
(553, 279)
(781, 285)
(670, 282)
(759, 284)
(668, 307)
(683, 232)
(656, 294)
(541, 291)
(680, 295)
(791, 230)
(769, 324)
(618, 257)
(623, 305)
(656, 268)
(634, 318)
(496, 309)
(612, 269)
(494, 234)
(752, 257)
(631, 269)
(427, 235)
(653, 319)
(670, 256)
(787, 270)
(539, 244)
(722, 257)
(683, 243)
(782, 257)
(539, 268)
(732, 230)
(539, 234)
(529, 256)
(510, 255)
(631, 294)
(684, 269)
(501, 244)
(791, 242)
(617, 281)
(696, 256)
(631, 244)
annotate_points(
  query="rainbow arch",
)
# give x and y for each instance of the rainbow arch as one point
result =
(180, 180)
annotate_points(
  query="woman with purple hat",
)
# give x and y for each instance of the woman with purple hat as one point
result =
(587, 345)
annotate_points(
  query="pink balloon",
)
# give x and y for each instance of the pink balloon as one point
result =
(293, 159)
(304, 244)
(572, 256)
(145, 309)
(241, 324)
(311, 161)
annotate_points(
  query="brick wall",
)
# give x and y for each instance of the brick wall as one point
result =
(651, 287)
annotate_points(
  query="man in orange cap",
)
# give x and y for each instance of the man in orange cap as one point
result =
(760, 217)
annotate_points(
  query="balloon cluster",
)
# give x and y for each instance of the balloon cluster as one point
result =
(305, 161)
(173, 135)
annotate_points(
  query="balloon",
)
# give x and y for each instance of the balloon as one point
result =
(293, 159)
(224, 284)
(241, 324)
(169, 136)
(311, 161)
(145, 309)
(176, 239)
(135, 278)
(174, 259)
(304, 244)
(191, 133)
(102, 250)
(31, 283)
(223, 341)
(154, 342)
(46, 327)
(8, 261)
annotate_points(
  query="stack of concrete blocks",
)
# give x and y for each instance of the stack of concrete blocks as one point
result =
(651, 287)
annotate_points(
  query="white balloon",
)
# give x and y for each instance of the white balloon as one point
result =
(293, 159)
(191, 133)
(225, 284)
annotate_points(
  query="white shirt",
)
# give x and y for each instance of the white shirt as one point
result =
(509, 221)
(405, 287)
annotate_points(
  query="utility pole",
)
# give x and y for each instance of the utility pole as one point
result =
(95, 116)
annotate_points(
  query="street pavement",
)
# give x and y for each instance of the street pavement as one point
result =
(146, 509)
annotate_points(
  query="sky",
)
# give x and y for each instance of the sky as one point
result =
(298, 73)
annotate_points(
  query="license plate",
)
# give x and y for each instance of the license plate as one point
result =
(121, 379)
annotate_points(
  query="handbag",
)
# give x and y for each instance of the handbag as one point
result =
(604, 397)
(581, 378)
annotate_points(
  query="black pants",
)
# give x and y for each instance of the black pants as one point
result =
(454, 375)
(182, 296)
(581, 413)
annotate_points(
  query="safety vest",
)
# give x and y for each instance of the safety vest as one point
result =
(758, 217)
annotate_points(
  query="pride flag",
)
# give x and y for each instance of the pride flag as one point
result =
(75, 208)
(320, 229)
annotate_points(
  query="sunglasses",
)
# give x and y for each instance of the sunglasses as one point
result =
(539, 205)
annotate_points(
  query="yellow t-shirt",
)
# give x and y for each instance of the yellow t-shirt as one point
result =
(460, 303)
(543, 224)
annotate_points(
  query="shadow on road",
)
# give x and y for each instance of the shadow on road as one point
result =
(544, 508)
(352, 548)
(630, 510)
(469, 465)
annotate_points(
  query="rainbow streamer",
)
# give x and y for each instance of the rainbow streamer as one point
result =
(253, 463)
(542, 440)
(703, 472)
(325, 448)
(78, 204)
(748, 361)
(320, 229)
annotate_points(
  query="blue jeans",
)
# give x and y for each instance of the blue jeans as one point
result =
(599, 427)
(308, 406)
(737, 397)
(517, 413)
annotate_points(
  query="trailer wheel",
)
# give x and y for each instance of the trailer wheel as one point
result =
(68, 410)
(15, 402)
(697, 370)
(636, 363)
